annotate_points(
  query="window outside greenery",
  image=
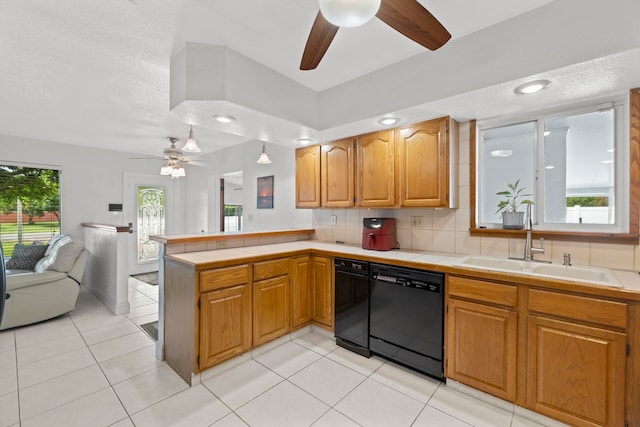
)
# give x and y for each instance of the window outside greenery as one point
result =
(29, 205)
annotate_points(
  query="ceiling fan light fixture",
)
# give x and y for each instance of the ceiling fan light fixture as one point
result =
(177, 172)
(388, 121)
(220, 118)
(264, 157)
(191, 146)
(532, 87)
(166, 169)
(349, 13)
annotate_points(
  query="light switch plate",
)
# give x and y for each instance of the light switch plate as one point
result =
(334, 220)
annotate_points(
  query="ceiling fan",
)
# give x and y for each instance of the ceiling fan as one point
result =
(174, 160)
(408, 17)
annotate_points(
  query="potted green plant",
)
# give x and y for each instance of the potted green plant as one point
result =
(513, 198)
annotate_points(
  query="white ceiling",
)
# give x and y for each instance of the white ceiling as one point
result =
(97, 73)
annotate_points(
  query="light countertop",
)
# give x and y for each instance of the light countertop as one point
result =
(440, 261)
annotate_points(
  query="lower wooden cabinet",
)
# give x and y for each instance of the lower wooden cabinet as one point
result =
(225, 324)
(323, 290)
(301, 290)
(562, 354)
(481, 344)
(270, 309)
(576, 373)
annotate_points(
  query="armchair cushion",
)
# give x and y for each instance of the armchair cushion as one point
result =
(17, 281)
(25, 257)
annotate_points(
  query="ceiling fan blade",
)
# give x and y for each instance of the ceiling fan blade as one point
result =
(320, 37)
(145, 158)
(199, 163)
(414, 21)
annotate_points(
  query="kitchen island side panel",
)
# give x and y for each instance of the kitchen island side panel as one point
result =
(180, 319)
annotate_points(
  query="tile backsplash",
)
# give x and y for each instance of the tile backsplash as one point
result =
(447, 230)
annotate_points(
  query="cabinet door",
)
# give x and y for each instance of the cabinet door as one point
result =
(424, 164)
(270, 309)
(225, 324)
(301, 290)
(323, 290)
(375, 176)
(308, 177)
(481, 347)
(337, 177)
(576, 373)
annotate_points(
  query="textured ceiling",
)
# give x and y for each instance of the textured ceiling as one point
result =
(97, 73)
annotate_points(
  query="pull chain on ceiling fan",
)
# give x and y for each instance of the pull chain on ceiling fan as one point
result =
(408, 17)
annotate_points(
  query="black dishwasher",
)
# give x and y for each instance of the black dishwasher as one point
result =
(406, 317)
(352, 305)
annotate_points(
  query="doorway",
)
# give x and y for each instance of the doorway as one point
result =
(231, 196)
(148, 213)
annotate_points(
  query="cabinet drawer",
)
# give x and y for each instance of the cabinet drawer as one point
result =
(479, 290)
(604, 312)
(223, 277)
(273, 268)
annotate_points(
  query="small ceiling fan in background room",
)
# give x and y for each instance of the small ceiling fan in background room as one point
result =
(408, 17)
(174, 159)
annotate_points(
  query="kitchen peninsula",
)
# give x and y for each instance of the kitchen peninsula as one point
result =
(548, 345)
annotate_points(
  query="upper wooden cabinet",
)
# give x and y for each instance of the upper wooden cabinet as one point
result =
(423, 162)
(376, 169)
(337, 162)
(412, 166)
(308, 177)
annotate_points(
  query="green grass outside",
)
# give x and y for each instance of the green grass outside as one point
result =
(27, 229)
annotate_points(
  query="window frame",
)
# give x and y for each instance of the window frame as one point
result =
(632, 203)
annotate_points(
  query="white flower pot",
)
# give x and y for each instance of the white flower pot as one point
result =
(513, 220)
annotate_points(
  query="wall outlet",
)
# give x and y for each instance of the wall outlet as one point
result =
(221, 244)
(416, 222)
(334, 220)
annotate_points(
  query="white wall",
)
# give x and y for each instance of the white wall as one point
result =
(90, 178)
(201, 204)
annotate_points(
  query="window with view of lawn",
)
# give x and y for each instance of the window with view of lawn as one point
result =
(29, 206)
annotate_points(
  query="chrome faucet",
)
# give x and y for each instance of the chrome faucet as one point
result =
(529, 249)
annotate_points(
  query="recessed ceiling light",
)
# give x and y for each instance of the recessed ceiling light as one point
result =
(388, 121)
(532, 87)
(501, 153)
(224, 119)
(549, 167)
(547, 132)
(304, 141)
(606, 162)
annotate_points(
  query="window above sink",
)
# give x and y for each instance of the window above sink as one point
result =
(578, 165)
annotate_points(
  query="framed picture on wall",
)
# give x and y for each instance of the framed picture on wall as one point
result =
(265, 192)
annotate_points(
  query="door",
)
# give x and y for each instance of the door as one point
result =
(481, 347)
(423, 164)
(270, 309)
(337, 174)
(376, 171)
(301, 290)
(225, 324)
(149, 211)
(576, 373)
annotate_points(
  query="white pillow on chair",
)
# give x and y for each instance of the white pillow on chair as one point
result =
(63, 259)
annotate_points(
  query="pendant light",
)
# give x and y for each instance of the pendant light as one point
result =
(264, 157)
(191, 146)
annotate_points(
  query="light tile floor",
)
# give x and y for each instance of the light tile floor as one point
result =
(91, 368)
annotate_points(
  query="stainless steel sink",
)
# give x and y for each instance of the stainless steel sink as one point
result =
(591, 275)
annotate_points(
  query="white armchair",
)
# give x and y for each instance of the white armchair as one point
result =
(51, 290)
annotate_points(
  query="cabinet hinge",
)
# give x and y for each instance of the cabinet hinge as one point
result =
(628, 350)
(447, 308)
(198, 304)
(198, 360)
(446, 197)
